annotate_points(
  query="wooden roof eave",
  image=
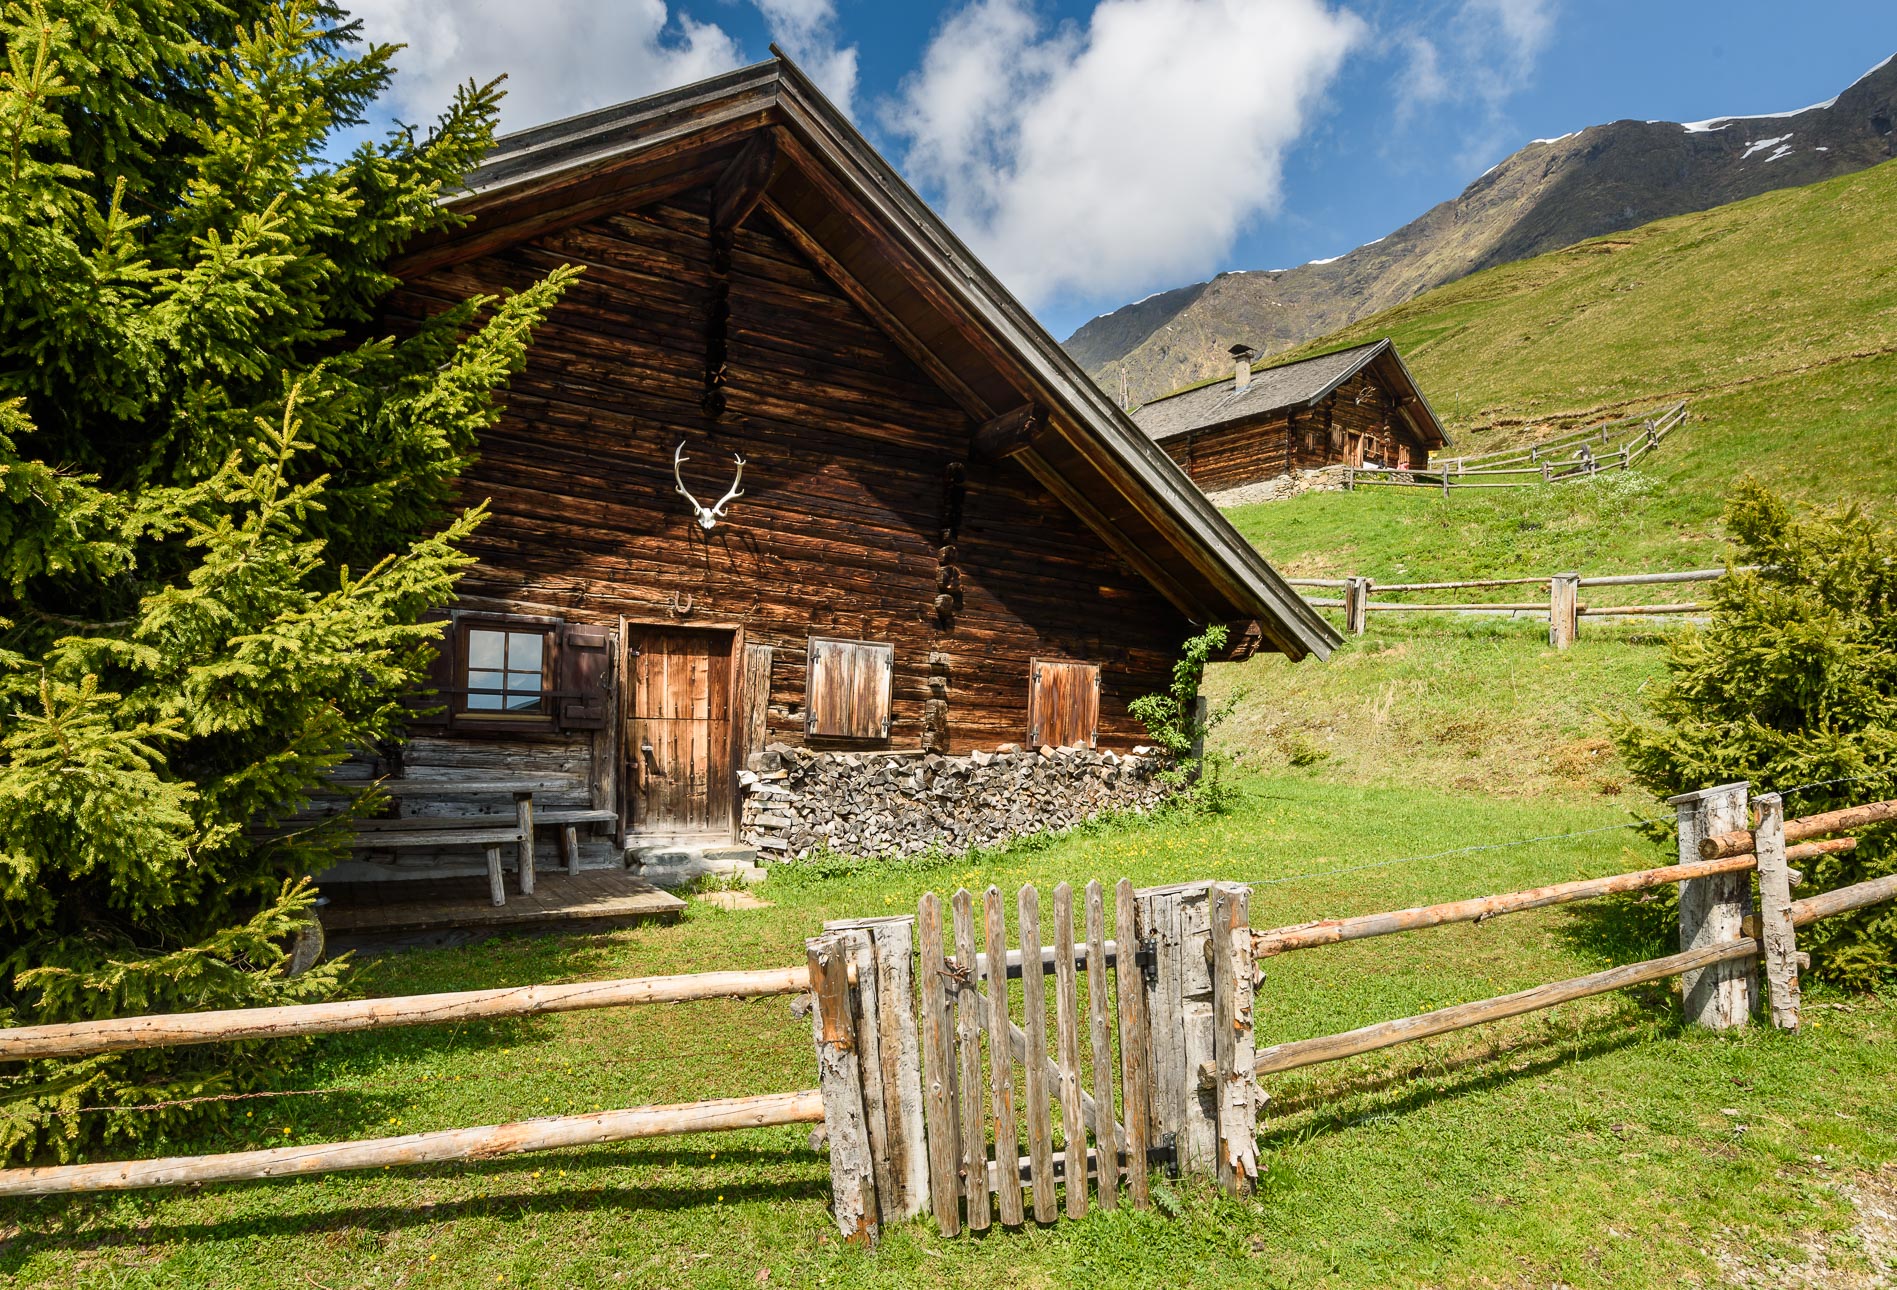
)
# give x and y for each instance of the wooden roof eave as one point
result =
(1183, 515)
(1435, 424)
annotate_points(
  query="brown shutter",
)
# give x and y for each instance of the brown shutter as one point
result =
(1063, 703)
(434, 708)
(847, 689)
(582, 697)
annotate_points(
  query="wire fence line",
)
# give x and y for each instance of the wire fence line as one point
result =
(414, 1081)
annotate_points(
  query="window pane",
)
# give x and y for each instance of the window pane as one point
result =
(491, 681)
(523, 650)
(523, 703)
(485, 648)
(523, 682)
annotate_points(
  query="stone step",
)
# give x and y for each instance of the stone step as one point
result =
(674, 865)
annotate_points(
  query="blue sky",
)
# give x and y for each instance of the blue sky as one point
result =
(1093, 153)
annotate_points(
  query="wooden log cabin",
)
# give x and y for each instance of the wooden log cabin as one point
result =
(1352, 407)
(933, 534)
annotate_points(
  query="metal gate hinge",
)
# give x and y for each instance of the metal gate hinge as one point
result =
(1146, 958)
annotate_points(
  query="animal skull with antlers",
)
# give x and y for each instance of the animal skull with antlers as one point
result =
(708, 516)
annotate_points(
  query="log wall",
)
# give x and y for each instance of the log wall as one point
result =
(853, 459)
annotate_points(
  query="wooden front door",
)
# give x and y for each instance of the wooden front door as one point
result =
(680, 770)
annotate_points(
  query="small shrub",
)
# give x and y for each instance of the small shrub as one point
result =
(1299, 750)
(1793, 683)
(1176, 723)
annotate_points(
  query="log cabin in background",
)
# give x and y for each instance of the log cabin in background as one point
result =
(1353, 407)
(932, 533)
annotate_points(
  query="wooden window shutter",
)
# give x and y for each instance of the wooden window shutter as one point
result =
(435, 708)
(581, 675)
(1063, 703)
(847, 689)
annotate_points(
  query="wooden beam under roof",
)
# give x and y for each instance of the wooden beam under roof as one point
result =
(741, 187)
(1069, 496)
(906, 341)
(1011, 432)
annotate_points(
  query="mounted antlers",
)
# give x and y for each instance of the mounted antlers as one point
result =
(708, 516)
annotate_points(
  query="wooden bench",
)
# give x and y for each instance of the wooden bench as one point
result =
(569, 821)
(490, 832)
(471, 830)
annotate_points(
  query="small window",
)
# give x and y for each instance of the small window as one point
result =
(1063, 703)
(505, 672)
(846, 689)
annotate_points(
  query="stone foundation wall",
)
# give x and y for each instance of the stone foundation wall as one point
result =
(882, 804)
(1326, 479)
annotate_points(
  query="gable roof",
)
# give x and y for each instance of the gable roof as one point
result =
(1300, 384)
(828, 191)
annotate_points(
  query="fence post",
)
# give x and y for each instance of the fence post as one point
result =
(1356, 605)
(1445, 485)
(1713, 910)
(1545, 476)
(1179, 1019)
(1238, 1094)
(891, 1057)
(840, 1079)
(1564, 591)
(1776, 932)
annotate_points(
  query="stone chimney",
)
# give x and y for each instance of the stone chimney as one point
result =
(1242, 356)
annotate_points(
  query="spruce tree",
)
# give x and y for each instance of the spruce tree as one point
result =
(226, 499)
(1794, 686)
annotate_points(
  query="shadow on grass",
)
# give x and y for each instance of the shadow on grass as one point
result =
(1625, 929)
(92, 1226)
(1324, 1109)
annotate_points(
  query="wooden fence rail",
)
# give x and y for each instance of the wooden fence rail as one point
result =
(481, 1143)
(1563, 606)
(1487, 470)
(85, 1038)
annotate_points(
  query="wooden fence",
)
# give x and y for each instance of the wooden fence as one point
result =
(1561, 458)
(1563, 606)
(927, 1084)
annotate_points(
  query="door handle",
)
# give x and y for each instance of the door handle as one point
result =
(652, 762)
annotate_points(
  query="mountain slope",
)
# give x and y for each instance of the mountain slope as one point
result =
(1776, 316)
(1550, 194)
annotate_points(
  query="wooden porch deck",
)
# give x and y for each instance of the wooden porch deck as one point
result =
(449, 911)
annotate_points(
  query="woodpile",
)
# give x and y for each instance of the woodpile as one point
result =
(797, 801)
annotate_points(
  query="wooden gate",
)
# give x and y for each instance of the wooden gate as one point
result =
(930, 1084)
(678, 737)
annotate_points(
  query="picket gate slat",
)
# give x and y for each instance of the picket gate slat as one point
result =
(1034, 1022)
(1135, 1045)
(968, 1020)
(1108, 1140)
(1000, 1059)
(1067, 1049)
(938, 1048)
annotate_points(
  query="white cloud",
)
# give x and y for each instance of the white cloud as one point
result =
(1473, 54)
(1105, 158)
(566, 56)
(807, 31)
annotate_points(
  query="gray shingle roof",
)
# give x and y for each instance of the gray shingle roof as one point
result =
(1272, 389)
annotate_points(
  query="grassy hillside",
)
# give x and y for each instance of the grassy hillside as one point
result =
(1776, 317)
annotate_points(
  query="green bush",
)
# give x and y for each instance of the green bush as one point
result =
(1177, 724)
(1794, 683)
(223, 509)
